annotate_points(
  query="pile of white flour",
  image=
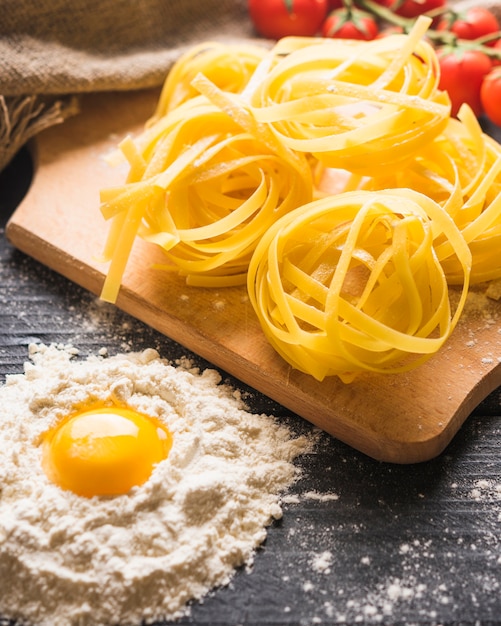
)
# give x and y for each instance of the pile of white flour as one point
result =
(66, 559)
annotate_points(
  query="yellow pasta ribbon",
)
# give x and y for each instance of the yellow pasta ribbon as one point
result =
(229, 66)
(205, 191)
(479, 216)
(461, 170)
(361, 106)
(351, 283)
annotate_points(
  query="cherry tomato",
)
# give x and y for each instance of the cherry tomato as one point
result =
(275, 19)
(490, 95)
(461, 74)
(350, 24)
(470, 24)
(413, 8)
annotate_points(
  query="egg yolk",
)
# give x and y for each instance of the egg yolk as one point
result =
(104, 451)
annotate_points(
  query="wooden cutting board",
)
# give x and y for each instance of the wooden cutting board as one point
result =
(403, 418)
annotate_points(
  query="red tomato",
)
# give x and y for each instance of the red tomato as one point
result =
(350, 24)
(461, 74)
(413, 8)
(490, 95)
(473, 23)
(275, 19)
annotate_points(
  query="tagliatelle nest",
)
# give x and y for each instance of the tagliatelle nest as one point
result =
(205, 191)
(351, 283)
(362, 106)
(230, 67)
(461, 170)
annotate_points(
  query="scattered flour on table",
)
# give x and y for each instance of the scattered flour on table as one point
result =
(310, 495)
(322, 562)
(66, 559)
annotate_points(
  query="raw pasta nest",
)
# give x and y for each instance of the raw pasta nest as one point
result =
(461, 170)
(230, 67)
(478, 216)
(362, 106)
(351, 283)
(205, 191)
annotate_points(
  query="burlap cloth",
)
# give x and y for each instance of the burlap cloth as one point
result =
(52, 50)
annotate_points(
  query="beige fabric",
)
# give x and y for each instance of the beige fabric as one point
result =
(50, 49)
(23, 117)
(68, 46)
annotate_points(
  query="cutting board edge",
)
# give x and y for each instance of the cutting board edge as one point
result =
(31, 244)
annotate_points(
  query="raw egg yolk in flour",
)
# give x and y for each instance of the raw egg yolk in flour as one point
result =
(104, 451)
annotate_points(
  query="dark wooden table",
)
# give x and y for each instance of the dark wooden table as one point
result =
(415, 544)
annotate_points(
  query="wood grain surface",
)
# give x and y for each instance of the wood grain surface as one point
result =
(404, 418)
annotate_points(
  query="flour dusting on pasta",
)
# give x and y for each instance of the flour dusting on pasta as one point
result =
(68, 559)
